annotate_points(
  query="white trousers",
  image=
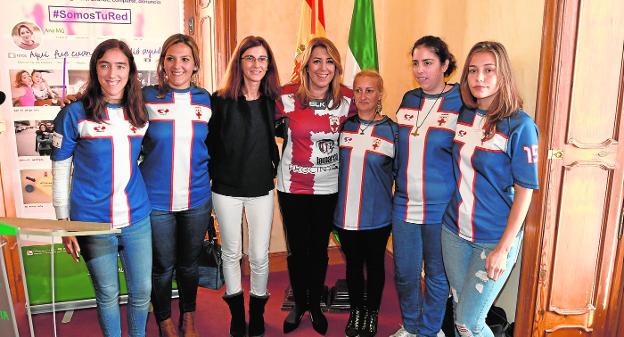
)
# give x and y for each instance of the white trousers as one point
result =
(259, 214)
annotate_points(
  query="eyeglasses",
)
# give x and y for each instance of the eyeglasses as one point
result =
(251, 59)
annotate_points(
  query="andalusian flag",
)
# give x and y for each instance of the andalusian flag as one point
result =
(362, 52)
(311, 24)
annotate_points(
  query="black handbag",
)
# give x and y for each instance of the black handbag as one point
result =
(210, 262)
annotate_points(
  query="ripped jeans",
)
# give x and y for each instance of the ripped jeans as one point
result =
(473, 292)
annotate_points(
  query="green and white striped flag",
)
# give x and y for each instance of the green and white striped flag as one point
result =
(362, 52)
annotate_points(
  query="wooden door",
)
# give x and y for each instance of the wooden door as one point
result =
(571, 274)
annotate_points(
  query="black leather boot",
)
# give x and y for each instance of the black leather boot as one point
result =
(256, 315)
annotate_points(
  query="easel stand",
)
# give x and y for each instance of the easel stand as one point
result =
(54, 229)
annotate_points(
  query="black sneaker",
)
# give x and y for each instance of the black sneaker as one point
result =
(354, 324)
(369, 326)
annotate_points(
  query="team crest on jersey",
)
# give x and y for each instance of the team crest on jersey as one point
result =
(162, 112)
(99, 128)
(347, 139)
(325, 145)
(376, 144)
(442, 120)
(408, 117)
(334, 123)
(198, 112)
(461, 133)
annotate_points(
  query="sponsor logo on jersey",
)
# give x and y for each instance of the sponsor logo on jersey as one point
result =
(327, 160)
(99, 128)
(312, 170)
(408, 117)
(325, 145)
(162, 112)
(317, 104)
(347, 139)
(461, 133)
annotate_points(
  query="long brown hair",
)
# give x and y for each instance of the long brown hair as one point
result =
(334, 94)
(132, 100)
(232, 84)
(18, 78)
(163, 86)
(507, 100)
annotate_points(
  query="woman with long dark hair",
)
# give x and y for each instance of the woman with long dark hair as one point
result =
(101, 135)
(244, 158)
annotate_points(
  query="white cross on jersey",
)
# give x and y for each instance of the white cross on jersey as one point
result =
(361, 144)
(177, 112)
(416, 149)
(470, 136)
(119, 130)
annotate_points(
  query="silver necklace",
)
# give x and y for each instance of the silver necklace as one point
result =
(418, 125)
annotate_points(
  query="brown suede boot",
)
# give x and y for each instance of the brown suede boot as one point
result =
(187, 325)
(167, 329)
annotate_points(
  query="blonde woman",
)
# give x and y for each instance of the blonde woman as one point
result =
(307, 177)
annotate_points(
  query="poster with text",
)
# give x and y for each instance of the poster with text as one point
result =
(45, 47)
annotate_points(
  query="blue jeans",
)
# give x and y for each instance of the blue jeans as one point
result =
(413, 244)
(134, 246)
(473, 292)
(177, 239)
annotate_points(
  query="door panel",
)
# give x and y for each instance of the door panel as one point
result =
(577, 280)
(596, 72)
(577, 244)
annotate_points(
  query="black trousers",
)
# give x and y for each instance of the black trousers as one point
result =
(365, 247)
(307, 223)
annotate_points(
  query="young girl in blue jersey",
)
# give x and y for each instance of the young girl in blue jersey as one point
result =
(364, 212)
(243, 162)
(495, 161)
(101, 136)
(175, 169)
(426, 118)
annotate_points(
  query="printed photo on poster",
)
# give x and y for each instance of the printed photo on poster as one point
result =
(34, 138)
(148, 78)
(26, 35)
(36, 87)
(77, 81)
(36, 186)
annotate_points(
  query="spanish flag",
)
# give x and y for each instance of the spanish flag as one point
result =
(311, 24)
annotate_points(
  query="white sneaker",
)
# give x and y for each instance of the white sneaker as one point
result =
(402, 333)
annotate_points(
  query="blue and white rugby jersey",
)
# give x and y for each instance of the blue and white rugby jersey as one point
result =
(485, 173)
(424, 182)
(366, 174)
(106, 183)
(175, 164)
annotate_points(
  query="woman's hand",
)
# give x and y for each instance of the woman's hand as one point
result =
(496, 263)
(72, 247)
